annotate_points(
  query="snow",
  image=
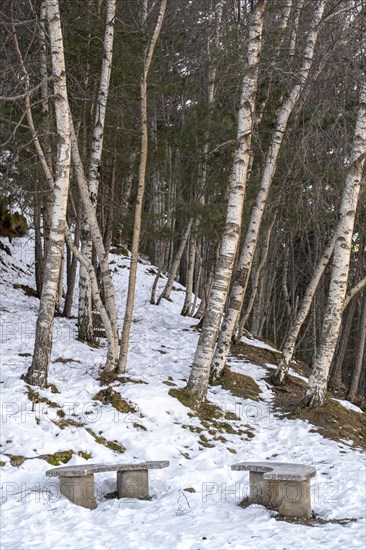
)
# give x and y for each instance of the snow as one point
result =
(36, 515)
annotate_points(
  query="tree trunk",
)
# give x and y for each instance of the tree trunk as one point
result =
(85, 319)
(37, 373)
(199, 377)
(175, 264)
(359, 362)
(255, 283)
(140, 194)
(190, 274)
(251, 238)
(293, 333)
(317, 386)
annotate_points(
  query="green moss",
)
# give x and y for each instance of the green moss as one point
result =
(36, 398)
(61, 413)
(109, 396)
(113, 445)
(2, 463)
(233, 451)
(62, 457)
(239, 385)
(85, 455)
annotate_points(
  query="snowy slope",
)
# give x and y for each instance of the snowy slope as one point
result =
(35, 515)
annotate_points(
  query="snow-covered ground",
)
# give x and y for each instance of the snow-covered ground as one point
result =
(35, 515)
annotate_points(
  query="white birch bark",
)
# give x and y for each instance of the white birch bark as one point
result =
(317, 386)
(85, 322)
(251, 238)
(199, 377)
(96, 236)
(37, 373)
(293, 333)
(122, 362)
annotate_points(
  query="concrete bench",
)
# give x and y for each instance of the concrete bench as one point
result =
(77, 482)
(280, 486)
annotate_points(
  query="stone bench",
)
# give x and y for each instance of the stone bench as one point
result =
(77, 482)
(280, 486)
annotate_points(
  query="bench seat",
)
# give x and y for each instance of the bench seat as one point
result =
(282, 486)
(77, 482)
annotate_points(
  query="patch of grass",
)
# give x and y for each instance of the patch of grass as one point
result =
(113, 445)
(238, 384)
(28, 291)
(66, 422)
(336, 422)
(195, 429)
(61, 413)
(186, 455)
(111, 397)
(204, 441)
(2, 463)
(85, 455)
(169, 383)
(254, 354)
(110, 377)
(53, 388)
(36, 398)
(62, 457)
(211, 416)
(233, 451)
(66, 360)
(25, 354)
(16, 460)
(139, 427)
(189, 490)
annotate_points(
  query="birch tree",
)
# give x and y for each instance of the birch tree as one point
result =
(140, 192)
(251, 238)
(317, 385)
(199, 377)
(37, 373)
(85, 322)
(293, 333)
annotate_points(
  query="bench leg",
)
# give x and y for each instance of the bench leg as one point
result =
(293, 499)
(80, 490)
(262, 491)
(289, 498)
(133, 484)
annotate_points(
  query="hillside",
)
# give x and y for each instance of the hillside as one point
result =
(138, 417)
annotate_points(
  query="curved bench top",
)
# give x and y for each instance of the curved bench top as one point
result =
(87, 469)
(278, 470)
